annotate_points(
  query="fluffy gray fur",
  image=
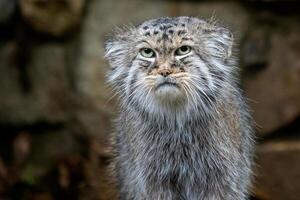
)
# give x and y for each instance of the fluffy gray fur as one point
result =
(186, 134)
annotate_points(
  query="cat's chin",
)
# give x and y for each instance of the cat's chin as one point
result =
(169, 93)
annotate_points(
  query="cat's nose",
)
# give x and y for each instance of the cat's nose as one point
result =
(165, 72)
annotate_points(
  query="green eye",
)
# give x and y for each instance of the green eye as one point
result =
(183, 50)
(147, 53)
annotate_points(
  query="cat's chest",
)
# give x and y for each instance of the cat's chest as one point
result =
(175, 160)
(174, 150)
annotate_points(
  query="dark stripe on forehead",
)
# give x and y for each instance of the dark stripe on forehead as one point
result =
(181, 32)
(168, 50)
(165, 36)
(186, 39)
(164, 27)
(163, 21)
(208, 31)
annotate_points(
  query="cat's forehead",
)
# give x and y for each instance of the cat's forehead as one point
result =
(168, 29)
(166, 23)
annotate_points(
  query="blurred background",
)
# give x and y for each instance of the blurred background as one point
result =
(56, 111)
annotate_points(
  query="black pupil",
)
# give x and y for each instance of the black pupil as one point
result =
(184, 48)
(147, 51)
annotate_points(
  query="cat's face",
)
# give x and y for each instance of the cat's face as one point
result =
(169, 63)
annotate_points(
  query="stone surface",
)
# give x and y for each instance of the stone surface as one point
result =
(225, 12)
(47, 148)
(7, 8)
(55, 17)
(274, 91)
(47, 97)
(255, 49)
(278, 164)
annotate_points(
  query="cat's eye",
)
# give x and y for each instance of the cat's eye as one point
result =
(147, 53)
(183, 50)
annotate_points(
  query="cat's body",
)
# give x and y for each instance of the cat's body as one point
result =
(183, 132)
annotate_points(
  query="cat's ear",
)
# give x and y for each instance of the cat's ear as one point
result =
(225, 41)
(115, 51)
(118, 46)
(218, 41)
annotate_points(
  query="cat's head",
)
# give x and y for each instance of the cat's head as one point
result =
(170, 63)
